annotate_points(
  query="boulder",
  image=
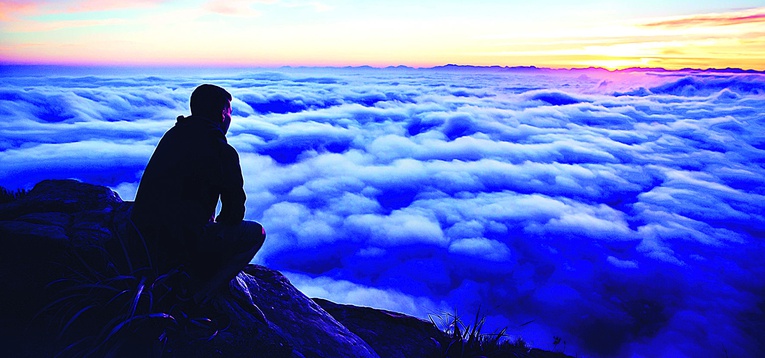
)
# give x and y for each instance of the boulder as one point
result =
(391, 334)
(61, 196)
(299, 319)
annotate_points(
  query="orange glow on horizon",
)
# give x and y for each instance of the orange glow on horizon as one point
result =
(241, 34)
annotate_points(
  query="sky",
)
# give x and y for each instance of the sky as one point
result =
(619, 211)
(274, 33)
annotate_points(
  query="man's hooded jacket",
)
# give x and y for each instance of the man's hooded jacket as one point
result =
(192, 166)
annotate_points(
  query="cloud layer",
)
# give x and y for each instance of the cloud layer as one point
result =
(622, 212)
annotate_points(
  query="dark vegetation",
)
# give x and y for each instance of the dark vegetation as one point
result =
(116, 303)
(7, 196)
(466, 340)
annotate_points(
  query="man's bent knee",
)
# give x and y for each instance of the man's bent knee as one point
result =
(250, 236)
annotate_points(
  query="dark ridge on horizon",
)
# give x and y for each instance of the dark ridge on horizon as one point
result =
(591, 68)
(531, 68)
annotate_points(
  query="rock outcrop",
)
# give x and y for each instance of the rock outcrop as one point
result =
(57, 236)
(76, 282)
(391, 334)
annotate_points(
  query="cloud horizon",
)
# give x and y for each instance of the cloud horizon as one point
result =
(619, 210)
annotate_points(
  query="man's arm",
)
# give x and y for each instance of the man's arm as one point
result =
(232, 195)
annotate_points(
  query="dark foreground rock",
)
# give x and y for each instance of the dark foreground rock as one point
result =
(62, 271)
(391, 334)
(76, 281)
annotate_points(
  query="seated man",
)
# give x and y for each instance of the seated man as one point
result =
(191, 168)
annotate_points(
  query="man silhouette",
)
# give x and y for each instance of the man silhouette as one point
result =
(192, 167)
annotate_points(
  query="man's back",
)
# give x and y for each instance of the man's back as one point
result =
(190, 169)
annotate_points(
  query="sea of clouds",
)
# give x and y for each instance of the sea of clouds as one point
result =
(623, 212)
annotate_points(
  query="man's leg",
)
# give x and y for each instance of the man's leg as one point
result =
(232, 248)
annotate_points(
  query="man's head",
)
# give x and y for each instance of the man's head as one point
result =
(212, 102)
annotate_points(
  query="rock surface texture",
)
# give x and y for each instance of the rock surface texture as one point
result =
(391, 334)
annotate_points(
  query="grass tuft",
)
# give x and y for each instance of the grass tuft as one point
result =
(468, 340)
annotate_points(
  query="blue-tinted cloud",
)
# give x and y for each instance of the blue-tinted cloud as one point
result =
(622, 212)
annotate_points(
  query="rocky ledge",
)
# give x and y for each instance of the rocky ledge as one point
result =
(73, 286)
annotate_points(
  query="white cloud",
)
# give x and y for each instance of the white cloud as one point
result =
(481, 248)
(633, 216)
(342, 291)
(622, 263)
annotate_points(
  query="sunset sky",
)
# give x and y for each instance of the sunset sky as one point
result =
(620, 212)
(272, 33)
